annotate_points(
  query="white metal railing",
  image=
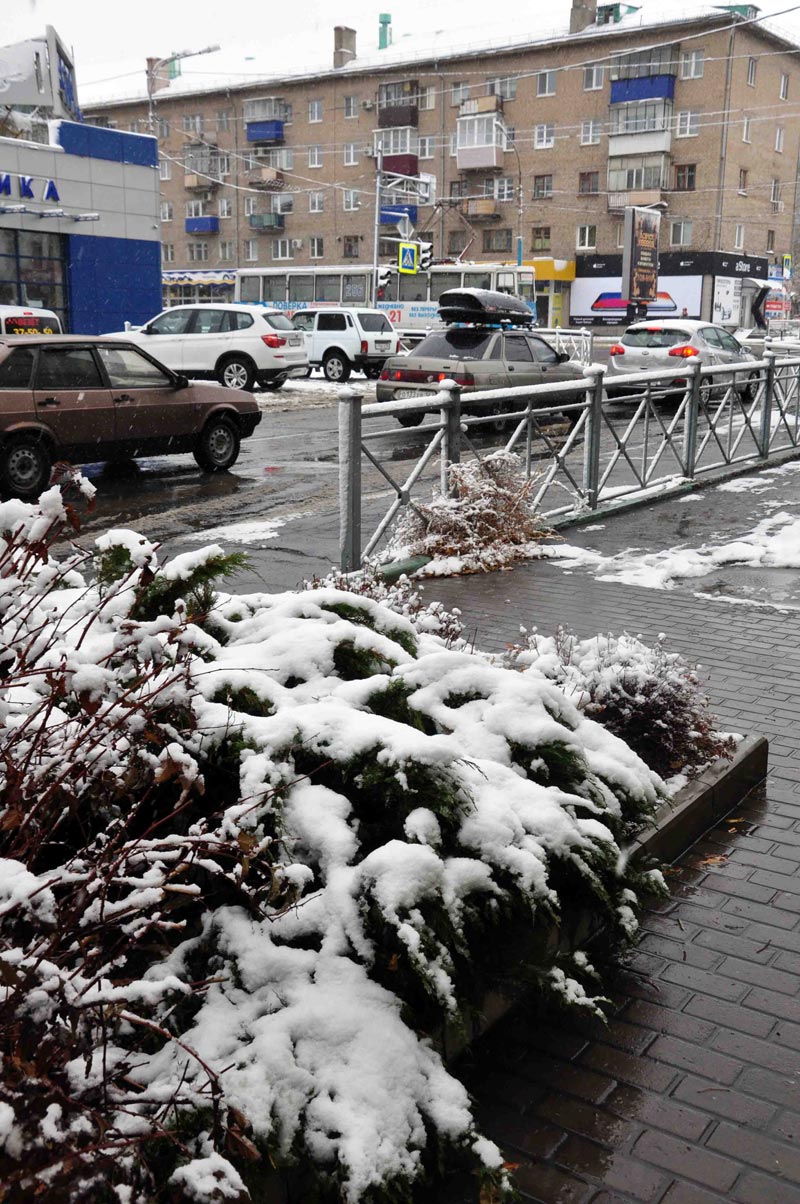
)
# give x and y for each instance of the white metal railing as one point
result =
(585, 449)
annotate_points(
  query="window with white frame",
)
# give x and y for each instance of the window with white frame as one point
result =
(502, 189)
(168, 252)
(680, 233)
(163, 129)
(351, 200)
(198, 207)
(775, 191)
(645, 172)
(586, 238)
(779, 139)
(426, 147)
(484, 130)
(350, 107)
(226, 250)
(453, 145)
(544, 136)
(282, 248)
(784, 93)
(282, 202)
(746, 130)
(590, 132)
(351, 154)
(641, 117)
(505, 86)
(770, 240)
(223, 120)
(316, 202)
(164, 169)
(620, 235)
(738, 237)
(315, 156)
(249, 206)
(427, 97)
(692, 64)
(399, 140)
(166, 211)
(288, 112)
(314, 115)
(225, 207)
(317, 248)
(545, 83)
(223, 166)
(743, 181)
(593, 77)
(197, 252)
(752, 68)
(687, 124)
(192, 123)
(250, 249)
(459, 93)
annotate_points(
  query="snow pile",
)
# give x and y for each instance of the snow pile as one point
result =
(252, 851)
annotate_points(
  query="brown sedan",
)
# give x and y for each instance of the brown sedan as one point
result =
(86, 398)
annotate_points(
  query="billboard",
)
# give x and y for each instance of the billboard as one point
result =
(640, 255)
(599, 300)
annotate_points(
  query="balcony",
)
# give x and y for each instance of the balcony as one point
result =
(640, 142)
(192, 181)
(265, 177)
(482, 209)
(266, 221)
(402, 165)
(264, 131)
(617, 201)
(399, 114)
(480, 105)
(479, 158)
(646, 87)
(202, 225)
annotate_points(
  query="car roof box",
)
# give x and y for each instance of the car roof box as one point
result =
(483, 306)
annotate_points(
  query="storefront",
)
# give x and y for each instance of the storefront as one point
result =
(189, 287)
(553, 280)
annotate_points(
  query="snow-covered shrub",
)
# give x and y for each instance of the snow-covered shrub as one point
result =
(650, 697)
(486, 521)
(249, 864)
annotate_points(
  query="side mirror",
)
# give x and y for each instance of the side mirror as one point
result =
(179, 381)
(146, 330)
(563, 356)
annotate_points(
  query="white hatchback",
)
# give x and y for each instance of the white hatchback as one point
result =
(238, 345)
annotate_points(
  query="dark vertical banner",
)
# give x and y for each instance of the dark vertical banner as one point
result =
(640, 256)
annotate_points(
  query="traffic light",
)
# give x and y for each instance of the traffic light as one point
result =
(425, 256)
(384, 276)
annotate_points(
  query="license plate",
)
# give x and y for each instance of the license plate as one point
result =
(295, 340)
(382, 346)
(399, 394)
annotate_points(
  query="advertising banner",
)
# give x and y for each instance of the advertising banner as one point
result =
(727, 300)
(598, 300)
(640, 255)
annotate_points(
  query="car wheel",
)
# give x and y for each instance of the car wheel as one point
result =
(372, 373)
(336, 367)
(410, 419)
(237, 372)
(218, 445)
(25, 463)
(751, 387)
(705, 390)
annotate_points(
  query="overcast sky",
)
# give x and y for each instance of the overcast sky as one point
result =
(114, 40)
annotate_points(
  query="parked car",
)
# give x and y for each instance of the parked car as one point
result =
(238, 345)
(342, 339)
(668, 344)
(85, 398)
(26, 319)
(496, 350)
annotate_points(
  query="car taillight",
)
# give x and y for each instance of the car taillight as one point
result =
(384, 374)
(364, 346)
(464, 378)
(684, 351)
(273, 340)
(616, 349)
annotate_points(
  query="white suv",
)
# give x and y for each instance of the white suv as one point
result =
(238, 345)
(343, 339)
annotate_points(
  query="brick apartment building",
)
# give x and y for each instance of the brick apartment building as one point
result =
(545, 141)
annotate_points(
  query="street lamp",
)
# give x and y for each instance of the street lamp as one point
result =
(153, 66)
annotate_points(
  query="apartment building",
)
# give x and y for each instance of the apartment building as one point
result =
(535, 144)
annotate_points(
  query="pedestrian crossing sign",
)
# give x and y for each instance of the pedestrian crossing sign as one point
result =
(407, 253)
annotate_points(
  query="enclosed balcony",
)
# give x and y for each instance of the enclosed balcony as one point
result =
(480, 142)
(398, 114)
(482, 209)
(400, 146)
(480, 104)
(264, 119)
(194, 181)
(264, 131)
(266, 221)
(618, 201)
(202, 225)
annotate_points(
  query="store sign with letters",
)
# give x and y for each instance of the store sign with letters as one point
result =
(28, 188)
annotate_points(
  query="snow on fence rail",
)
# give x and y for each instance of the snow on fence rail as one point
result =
(587, 449)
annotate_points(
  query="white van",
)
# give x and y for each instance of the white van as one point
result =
(24, 319)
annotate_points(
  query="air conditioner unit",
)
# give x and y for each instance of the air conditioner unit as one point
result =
(370, 152)
(369, 105)
(778, 206)
(297, 244)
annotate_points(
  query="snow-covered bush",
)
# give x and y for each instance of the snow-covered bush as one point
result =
(254, 852)
(650, 697)
(486, 521)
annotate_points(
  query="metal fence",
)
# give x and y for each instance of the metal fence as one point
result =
(584, 448)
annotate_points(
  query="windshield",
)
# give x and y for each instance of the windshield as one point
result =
(374, 322)
(461, 343)
(278, 321)
(655, 336)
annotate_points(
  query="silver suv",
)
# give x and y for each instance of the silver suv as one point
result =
(340, 339)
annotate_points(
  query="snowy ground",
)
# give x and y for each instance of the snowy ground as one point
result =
(301, 394)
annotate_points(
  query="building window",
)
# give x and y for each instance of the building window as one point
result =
(168, 252)
(226, 207)
(456, 242)
(282, 248)
(164, 169)
(545, 83)
(426, 147)
(687, 124)
(251, 249)
(746, 130)
(351, 246)
(544, 136)
(351, 200)
(738, 237)
(593, 77)
(770, 240)
(779, 139)
(282, 202)
(163, 129)
(316, 202)
(588, 182)
(288, 112)
(166, 211)
(453, 145)
(197, 252)
(350, 154)
(497, 240)
(458, 189)
(192, 123)
(223, 166)
(620, 235)
(315, 156)
(775, 191)
(505, 87)
(743, 180)
(587, 238)
(197, 207)
(692, 64)
(317, 248)
(590, 132)
(350, 107)
(641, 117)
(226, 250)
(427, 98)
(223, 120)
(752, 67)
(541, 238)
(680, 234)
(314, 115)
(784, 87)
(249, 206)
(685, 177)
(542, 187)
(459, 93)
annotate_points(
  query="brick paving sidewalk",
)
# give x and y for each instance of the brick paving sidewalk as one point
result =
(692, 1091)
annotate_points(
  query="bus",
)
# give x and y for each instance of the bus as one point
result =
(409, 301)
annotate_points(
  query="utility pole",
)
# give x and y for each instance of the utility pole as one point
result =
(377, 229)
(153, 67)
